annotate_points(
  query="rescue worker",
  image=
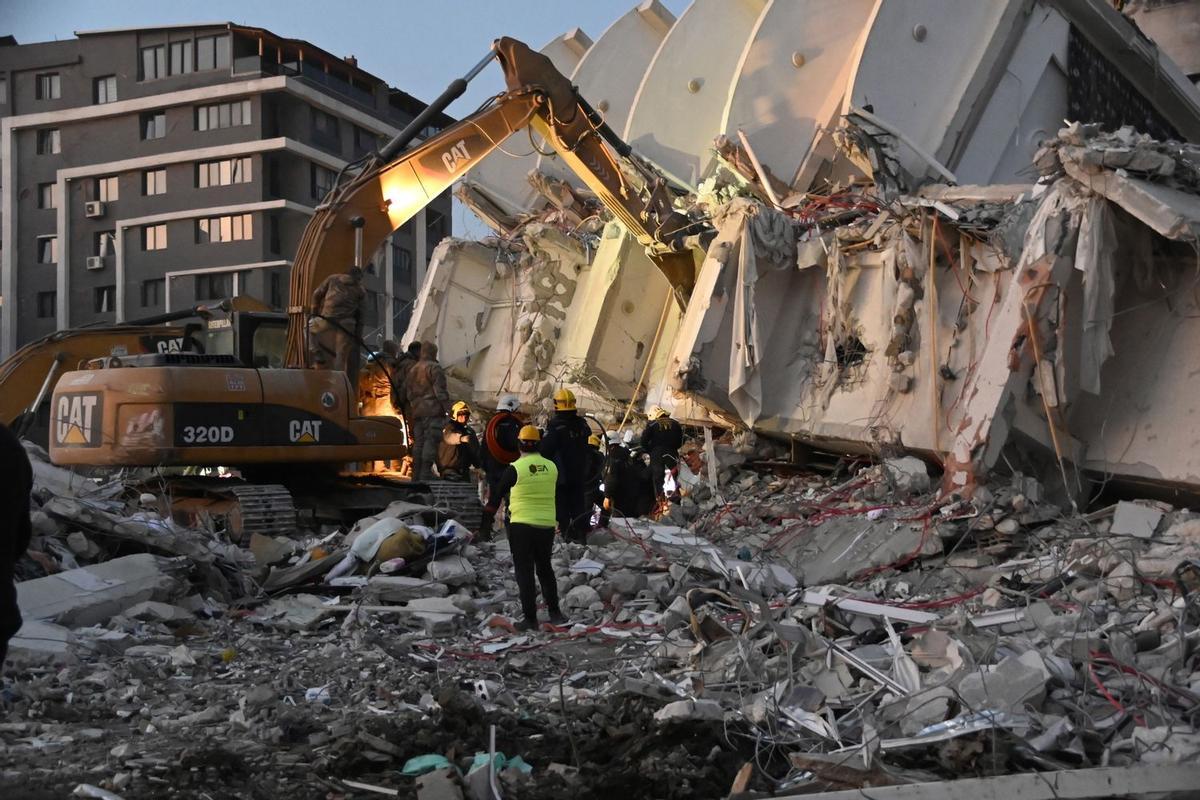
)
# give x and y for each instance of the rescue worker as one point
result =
(405, 361)
(500, 446)
(15, 529)
(566, 444)
(595, 478)
(376, 388)
(335, 325)
(627, 486)
(661, 440)
(458, 450)
(429, 403)
(531, 485)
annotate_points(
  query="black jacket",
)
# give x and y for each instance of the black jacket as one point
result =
(663, 436)
(566, 444)
(15, 528)
(506, 427)
(627, 483)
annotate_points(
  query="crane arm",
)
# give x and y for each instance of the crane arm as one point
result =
(392, 188)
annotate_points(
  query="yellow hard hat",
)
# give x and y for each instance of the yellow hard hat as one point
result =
(658, 412)
(564, 400)
(529, 434)
(594, 440)
(459, 408)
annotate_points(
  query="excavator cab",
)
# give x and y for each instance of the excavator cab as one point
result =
(255, 338)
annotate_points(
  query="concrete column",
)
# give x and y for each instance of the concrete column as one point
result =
(63, 267)
(389, 290)
(421, 258)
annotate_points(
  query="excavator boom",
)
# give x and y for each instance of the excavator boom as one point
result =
(364, 210)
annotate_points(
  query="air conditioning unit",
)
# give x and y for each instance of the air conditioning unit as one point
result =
(95, 262)
(93, 208)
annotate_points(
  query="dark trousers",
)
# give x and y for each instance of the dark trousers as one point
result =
(10, 613)
(660, 462)
(531, 547)
(573, 512)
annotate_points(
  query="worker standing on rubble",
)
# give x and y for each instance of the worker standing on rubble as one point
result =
(661, 440)
(405, 361)
(566, 444)
(334, 328)
(15, 529)
(376, 387)
(531, 485)
(458, 451)
(595, 477)
(627, 485)
(429, 403)
(500, 449)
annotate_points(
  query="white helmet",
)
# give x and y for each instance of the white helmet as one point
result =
(508, 402)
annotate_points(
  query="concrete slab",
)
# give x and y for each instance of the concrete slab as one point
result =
(95, 594)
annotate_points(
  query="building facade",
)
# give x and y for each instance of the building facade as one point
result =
(146, 170)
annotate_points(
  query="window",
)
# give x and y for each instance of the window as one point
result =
(104, 299)
(212, 52)
(322, 181)
(181, 57)
(47, 249)
(325, 127)
(364, 141)
(214, 286)
(48, 141)
(47, 303)
(103, 244)
(49, 86)
(106, 189)
(104, 90)
(152, 292)
(235, 228)
(223, 115)
(3, 91)
(47, 195)
(153, 125)
(222, 173)
(402, 263)
(276, 289)
(154, 62)
(273, 234)
(154, 237)
(154, 181)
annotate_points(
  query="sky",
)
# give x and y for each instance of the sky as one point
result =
(416, 45)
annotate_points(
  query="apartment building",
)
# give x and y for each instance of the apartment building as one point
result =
(145, 170)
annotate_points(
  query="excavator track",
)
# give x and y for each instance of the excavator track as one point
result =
(461, 498)
(265, 509)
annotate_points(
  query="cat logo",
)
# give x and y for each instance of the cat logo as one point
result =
(456, 156)
(305, 431)
(77, 420)
(170, 345)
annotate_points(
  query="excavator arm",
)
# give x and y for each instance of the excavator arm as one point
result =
(366, 207)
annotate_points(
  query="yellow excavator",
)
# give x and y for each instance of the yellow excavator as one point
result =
(29, 374)
(186, 408)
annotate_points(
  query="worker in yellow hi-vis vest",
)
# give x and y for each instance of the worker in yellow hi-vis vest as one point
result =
(529, 483)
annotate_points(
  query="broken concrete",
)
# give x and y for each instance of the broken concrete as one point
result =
(97, 593)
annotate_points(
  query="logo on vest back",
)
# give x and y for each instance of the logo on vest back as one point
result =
(534, 469)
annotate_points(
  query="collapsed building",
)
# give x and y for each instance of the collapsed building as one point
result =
(897, 257)
(900, 256)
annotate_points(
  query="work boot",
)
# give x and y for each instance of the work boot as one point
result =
(526, 625)
(485, 527)
(557, 617)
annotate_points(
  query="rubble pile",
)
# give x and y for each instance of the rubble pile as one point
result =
(779, 632)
